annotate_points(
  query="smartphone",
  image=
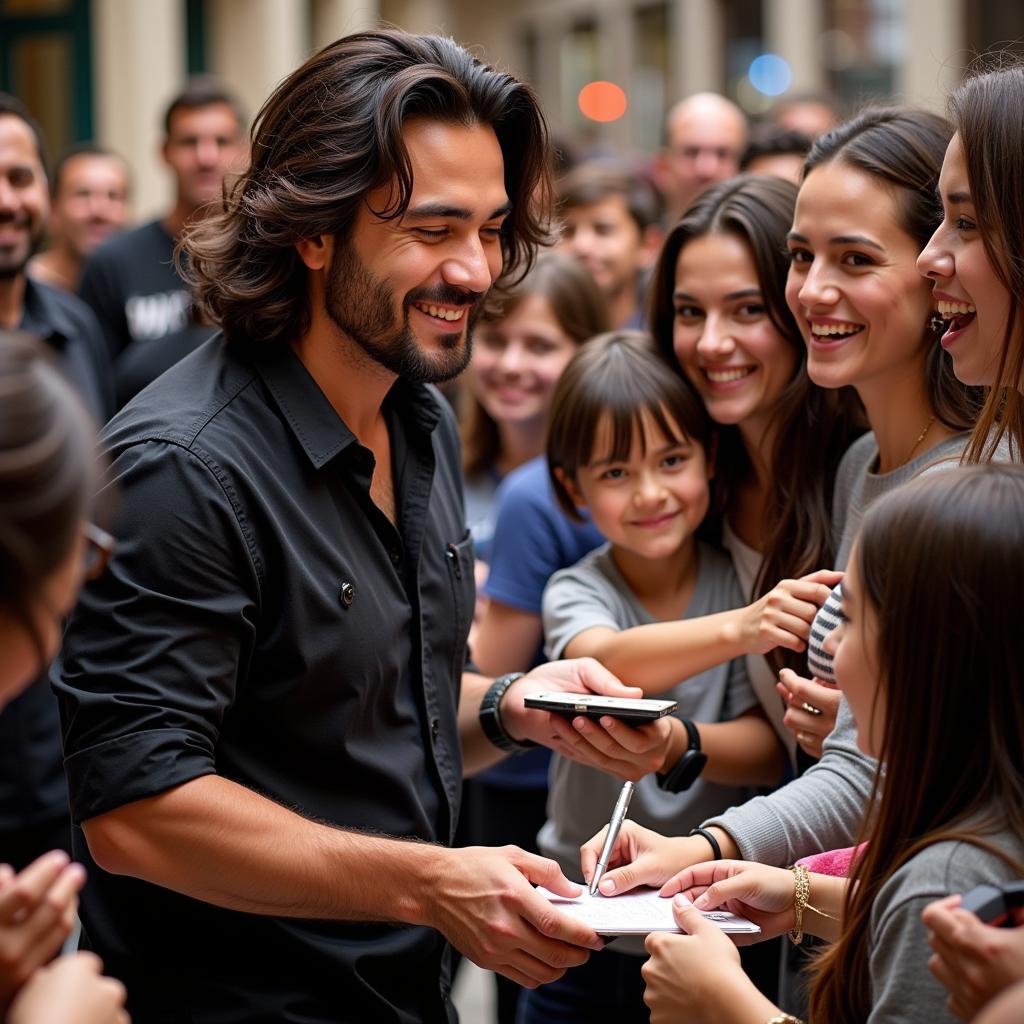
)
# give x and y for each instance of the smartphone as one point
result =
(636, 710)
(998, 905)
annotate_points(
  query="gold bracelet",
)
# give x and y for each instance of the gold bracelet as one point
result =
(801, 894)
(784, 1018)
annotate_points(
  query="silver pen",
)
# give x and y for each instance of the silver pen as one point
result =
(618, 816)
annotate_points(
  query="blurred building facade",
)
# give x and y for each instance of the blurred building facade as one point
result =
(104, 69)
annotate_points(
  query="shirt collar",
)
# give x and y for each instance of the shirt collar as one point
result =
(317, 427)
(43, 315)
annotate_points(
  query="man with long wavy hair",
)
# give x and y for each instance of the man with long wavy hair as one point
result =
(266, 708)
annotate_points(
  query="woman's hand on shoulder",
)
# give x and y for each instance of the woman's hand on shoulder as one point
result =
(783, 616)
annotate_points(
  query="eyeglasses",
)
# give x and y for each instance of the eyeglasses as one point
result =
(99, 546)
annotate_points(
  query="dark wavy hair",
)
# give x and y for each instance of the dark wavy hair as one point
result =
(903, 148)
(986, 114)
(945, 551)
(813, 426)
(330, 133)
(47, 477)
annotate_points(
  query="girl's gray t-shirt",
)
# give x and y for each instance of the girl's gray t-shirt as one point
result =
(593, 593)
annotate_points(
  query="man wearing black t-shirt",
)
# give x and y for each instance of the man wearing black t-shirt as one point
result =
(131, 281)
(267, 706)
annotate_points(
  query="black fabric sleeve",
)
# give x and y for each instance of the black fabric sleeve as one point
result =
(156, 647)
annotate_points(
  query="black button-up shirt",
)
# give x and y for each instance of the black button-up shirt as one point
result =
(263, 620)
(32, 789)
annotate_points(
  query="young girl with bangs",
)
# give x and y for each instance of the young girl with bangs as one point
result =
(948, 813)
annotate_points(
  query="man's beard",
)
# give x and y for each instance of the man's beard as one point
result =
(362, 306)
(12, 266)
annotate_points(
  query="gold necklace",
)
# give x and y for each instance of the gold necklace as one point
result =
(920, 438)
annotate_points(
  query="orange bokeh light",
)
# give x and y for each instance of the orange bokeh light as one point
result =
(603, 101)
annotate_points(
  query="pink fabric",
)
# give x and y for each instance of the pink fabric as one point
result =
(832, 862)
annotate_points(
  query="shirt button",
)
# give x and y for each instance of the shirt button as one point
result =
(435, 729)
(395, 557)
(347, 594)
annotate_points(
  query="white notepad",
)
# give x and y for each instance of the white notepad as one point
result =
(637, 913)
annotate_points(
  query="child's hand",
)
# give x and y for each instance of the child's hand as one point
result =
(639, 857)
(783, 617)
(811, 709)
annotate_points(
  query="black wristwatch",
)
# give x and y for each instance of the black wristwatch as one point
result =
(684, 773)
(490, 716)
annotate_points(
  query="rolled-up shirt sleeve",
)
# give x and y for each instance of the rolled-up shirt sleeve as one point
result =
(156, 647)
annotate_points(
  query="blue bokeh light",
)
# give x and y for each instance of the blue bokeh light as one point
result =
(770, 74)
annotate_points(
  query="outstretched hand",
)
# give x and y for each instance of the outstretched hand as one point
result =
(607, 744)
(783, 616)
(697, 977)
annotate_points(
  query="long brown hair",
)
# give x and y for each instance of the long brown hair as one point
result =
(986, 114)
(581, 310)
(813, 426)
(945, 553)
(329, 134)
(903, 148)
(46, 474)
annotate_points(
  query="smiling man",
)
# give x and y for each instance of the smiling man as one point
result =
(88, 204)
(266, 704)
(131, 281)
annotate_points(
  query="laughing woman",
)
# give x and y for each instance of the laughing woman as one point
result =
(975, 261)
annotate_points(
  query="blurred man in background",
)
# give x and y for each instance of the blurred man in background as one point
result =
(131, 281)
(705, 134)
(88, 204)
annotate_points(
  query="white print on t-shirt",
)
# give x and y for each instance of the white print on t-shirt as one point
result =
(153, 316)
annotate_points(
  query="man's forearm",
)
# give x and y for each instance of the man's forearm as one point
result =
(217, 841)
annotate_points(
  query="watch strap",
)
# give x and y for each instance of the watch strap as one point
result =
(685, 772)
(490, 716)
